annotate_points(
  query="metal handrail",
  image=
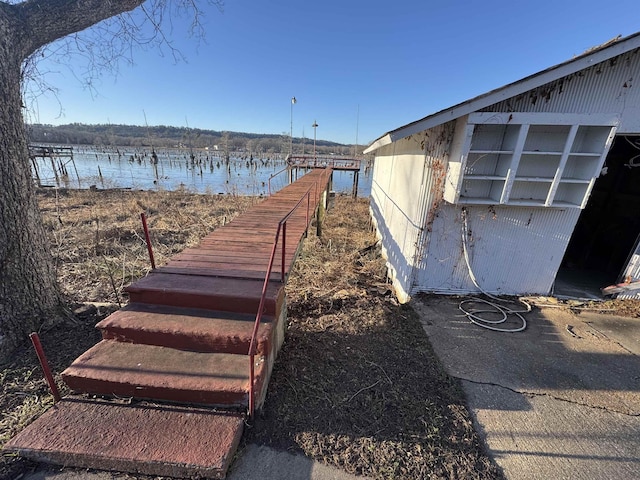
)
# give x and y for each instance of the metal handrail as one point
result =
(324, 161)
(282, 227)
(35, 340)
(252, 346)
(147, 239)
(275, 175)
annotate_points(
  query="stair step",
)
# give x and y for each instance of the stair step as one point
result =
(186, 328)
(163, 374)
(161, 440)
(182, 339)
(206, 292)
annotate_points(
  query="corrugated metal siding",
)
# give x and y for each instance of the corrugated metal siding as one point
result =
(609, 87)
(406, 188)
(512, 250)
(395, 187)
(436, 145)
(606, 87)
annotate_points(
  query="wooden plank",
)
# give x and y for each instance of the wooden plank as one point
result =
(239, 250)
(235, 259)
(228, 273)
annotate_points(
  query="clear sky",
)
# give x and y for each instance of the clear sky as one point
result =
(354, 66)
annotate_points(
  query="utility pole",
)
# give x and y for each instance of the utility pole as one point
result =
(293, 102)
(355, 150)
(315, 126)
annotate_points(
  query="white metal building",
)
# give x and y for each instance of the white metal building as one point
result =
(539, 181)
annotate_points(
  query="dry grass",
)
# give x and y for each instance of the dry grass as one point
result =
(625, 308)
(356, 385)
(97, 239)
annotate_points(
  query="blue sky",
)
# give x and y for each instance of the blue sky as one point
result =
(356, 67)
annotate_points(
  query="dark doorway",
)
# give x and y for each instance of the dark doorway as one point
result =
(608, 227)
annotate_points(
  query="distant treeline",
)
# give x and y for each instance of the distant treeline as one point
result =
(165, 137)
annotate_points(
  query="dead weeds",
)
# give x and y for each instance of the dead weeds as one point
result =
(624, 308)
(97, 242)
(357, 383)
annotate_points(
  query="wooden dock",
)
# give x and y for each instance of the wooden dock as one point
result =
(197, 343)
(50, 151)
(333, 162)
(58, 156)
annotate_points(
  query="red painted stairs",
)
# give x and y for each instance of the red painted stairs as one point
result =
(181, 348)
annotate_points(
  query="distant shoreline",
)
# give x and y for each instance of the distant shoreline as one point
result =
(175, 137)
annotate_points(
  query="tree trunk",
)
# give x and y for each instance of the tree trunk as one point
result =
(28, 288)
(29, 294)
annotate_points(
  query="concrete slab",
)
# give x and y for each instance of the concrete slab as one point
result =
(554, 439)
(580, 284)
(559, 400)
(624, 330)
(253, 463)
(264, 463)
(168, 441)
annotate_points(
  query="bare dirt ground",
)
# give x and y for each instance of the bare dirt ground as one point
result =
(356, 385)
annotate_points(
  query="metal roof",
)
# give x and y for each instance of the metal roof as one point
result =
(601, 53)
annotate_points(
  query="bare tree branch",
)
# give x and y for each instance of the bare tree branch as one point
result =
(106, 45)
(43, 21)
(30, 29)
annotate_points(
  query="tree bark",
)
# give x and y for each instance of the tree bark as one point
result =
(29, 294)
(41, 22)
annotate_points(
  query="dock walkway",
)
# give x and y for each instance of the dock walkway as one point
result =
(167, 390)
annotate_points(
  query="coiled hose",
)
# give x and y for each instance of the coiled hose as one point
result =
(499, 309)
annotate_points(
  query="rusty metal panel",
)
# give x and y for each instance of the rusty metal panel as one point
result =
(512, 250)
(607, 87)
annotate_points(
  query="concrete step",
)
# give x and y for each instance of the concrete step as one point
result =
(206, 292)
(187, 329)
(164, 374)
(168, 441)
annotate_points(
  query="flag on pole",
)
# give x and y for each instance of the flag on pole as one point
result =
(293, 100)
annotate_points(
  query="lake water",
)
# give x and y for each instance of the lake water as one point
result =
(198, 171)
